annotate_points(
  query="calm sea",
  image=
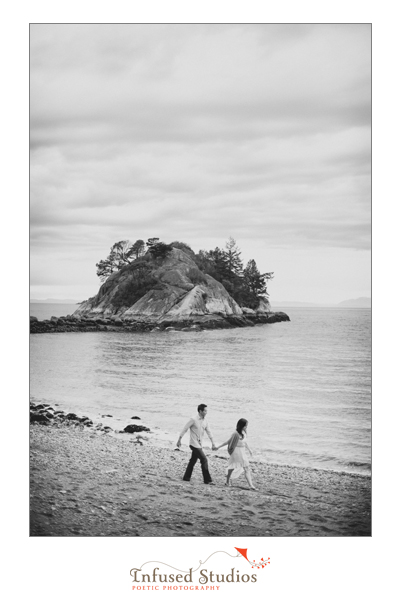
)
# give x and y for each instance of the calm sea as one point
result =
(303, 385)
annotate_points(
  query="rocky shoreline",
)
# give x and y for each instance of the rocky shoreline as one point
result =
(86, 482)
(45, 414)
(115, 323)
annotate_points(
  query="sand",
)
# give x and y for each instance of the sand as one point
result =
(87, 483)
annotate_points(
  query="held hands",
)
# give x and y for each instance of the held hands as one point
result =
(214, 447)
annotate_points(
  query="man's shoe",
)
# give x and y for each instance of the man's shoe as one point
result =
(209, 483)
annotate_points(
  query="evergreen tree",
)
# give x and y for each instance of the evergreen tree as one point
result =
(105, 268)
(160, 250)
(254, 285)
(232, 258)
(151, 242)
(138, 248)
(217, 258)
(120, 255)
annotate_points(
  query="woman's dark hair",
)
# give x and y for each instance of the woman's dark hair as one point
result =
(241, 424)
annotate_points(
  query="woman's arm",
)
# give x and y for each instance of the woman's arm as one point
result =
(248, 448)
(224, 444)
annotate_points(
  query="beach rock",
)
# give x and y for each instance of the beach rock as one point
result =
(282, 316)
(272, 319)
(72, 417)
(264, 307)
(135, 428)
(136, 418)
(248, 311)
(277, 317)
(39, 418)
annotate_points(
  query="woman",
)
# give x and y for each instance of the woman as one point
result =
(238, 460)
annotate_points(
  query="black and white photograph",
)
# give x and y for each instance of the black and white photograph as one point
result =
(200, 280)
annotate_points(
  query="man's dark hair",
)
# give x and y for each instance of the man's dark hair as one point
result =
(201, 407)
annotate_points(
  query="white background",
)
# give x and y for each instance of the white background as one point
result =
(343, 568)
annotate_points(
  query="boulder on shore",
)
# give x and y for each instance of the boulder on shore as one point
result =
(135, 428)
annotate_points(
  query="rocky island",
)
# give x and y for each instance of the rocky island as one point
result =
(163, 289)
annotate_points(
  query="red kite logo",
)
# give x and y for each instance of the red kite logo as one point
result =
(243, 552)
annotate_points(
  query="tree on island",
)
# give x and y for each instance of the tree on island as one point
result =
(254, 284)
(121, 253)
(158, 249)
(124, 253)
(247, 286)
(232, 258)
(138, 248)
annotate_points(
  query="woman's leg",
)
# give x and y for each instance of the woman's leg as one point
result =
(228, 477)
(247, 474)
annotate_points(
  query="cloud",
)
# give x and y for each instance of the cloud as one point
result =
(198, 132)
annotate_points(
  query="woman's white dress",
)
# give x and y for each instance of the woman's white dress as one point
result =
(238, 459)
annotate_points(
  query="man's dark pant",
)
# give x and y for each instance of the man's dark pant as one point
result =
(197, 454)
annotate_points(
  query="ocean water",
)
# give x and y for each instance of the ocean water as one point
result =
(304, 385)
(42, 310)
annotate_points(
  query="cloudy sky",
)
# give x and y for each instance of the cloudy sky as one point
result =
(197, 133)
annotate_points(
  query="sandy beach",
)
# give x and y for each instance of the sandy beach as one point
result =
(88, 483)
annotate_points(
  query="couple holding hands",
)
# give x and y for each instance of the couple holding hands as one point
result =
(238, 461)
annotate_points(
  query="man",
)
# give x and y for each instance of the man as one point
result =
(197, 427)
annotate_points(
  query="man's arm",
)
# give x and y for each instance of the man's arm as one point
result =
(184, 430)
(214, 447)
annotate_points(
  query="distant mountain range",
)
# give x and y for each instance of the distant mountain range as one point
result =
(54, 301)
(354, 303)
(294, 304)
